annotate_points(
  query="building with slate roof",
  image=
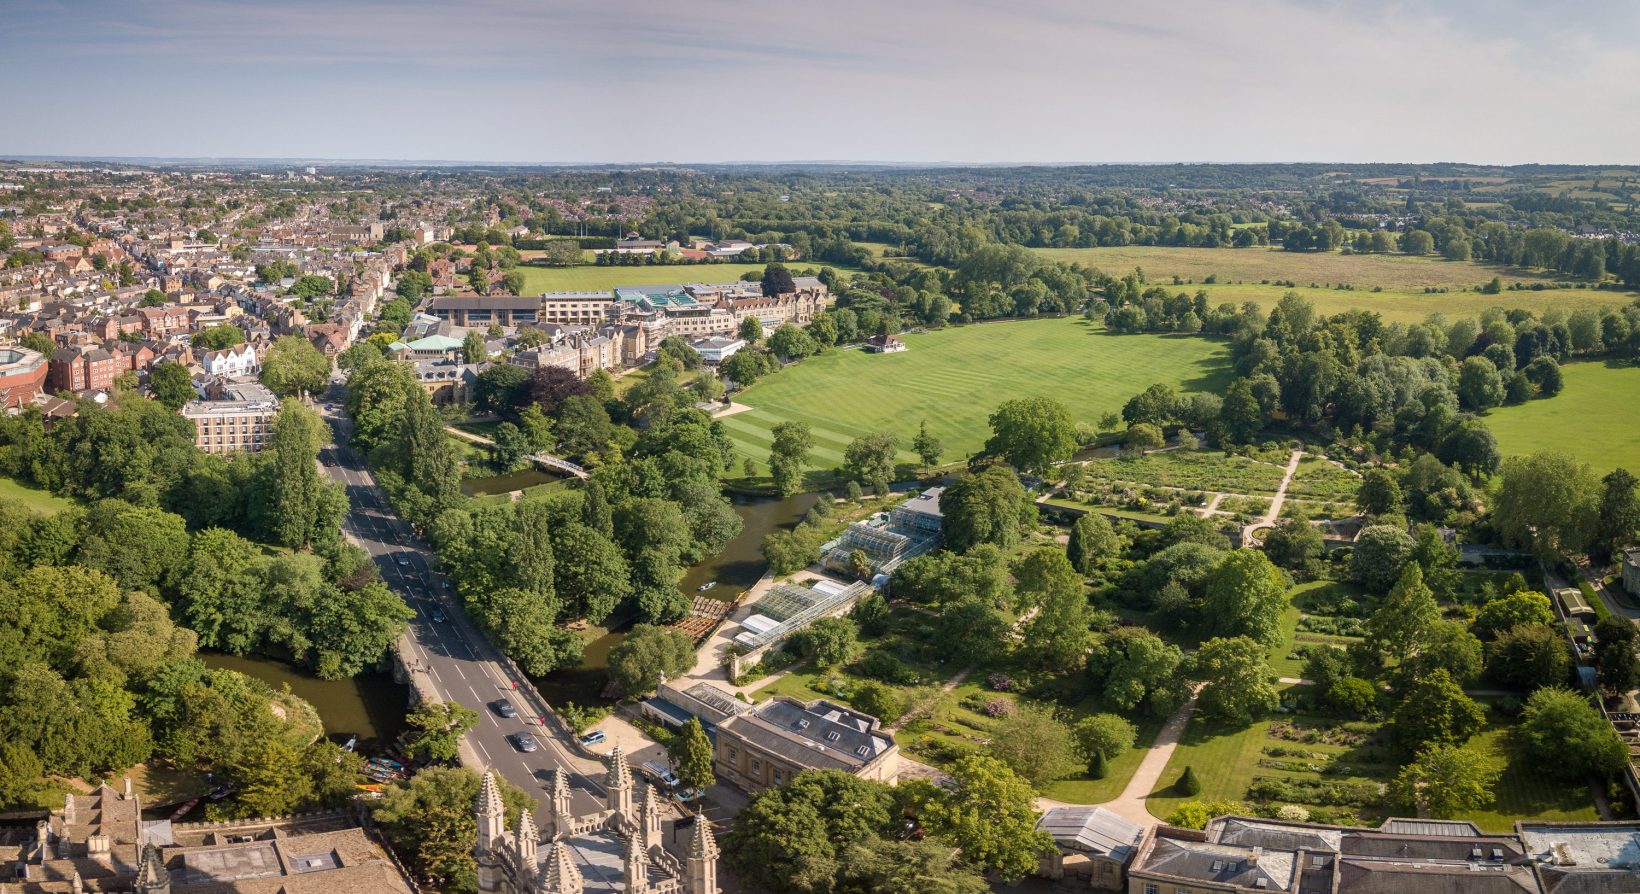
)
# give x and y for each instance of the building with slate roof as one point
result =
(100, 843)
(1236, 853)
(1091, 844)
(782, 737)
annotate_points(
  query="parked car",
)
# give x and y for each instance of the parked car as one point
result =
(505, 708)
(594, 737)
(523, 742)
(661, 773)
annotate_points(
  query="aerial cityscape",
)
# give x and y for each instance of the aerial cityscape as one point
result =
(1037, 447)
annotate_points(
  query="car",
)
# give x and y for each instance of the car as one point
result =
(595, 737)
(439, 617)
(661, 773)
(403, 562)
(505, 708)
(523, 742)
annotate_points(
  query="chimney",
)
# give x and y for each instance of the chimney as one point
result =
(1252, 858)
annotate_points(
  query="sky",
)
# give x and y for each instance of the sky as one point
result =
(917, 81)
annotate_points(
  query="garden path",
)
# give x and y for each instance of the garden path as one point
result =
(1274, 511)
(1130, 804)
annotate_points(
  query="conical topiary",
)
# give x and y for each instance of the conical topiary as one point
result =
(1188, 785)
(1098, 768)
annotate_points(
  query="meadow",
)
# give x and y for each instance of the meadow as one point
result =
(602, 279)
(1241, 273)
(1592, 419)
(954, 378)
(42, 501)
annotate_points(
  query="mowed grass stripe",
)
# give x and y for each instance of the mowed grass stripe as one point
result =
(954, 378)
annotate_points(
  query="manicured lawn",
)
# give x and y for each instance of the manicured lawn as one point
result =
(1225, 761)
(1403, 278)
(1591, 419)
(1525, 792)
(602, 279)
(42, 501)
(1084, 790)
(954, 378)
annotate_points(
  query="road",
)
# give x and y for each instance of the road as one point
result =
(460, 662)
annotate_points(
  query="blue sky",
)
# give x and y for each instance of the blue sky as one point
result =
(1505, 81)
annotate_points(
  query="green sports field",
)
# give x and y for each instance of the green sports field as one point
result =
(1592, 419)
(599, 279)
(1241, 274)
(954, 378)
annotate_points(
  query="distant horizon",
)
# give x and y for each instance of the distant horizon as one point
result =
(1033, 82)
(250, 160)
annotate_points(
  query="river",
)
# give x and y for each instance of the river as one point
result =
(370, 706)
(735, 569)
(511, 481)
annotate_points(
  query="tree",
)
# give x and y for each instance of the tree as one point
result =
(751, 330)
(1032, 433)
(1197, 814)
(271, 780)
(882, 866)
(1241, 416)
(427, 460)
(1036, 745)
(221, 591)
(871, 460)
(1188, 785)
(1136, 667)
(1448, 646)
(969, 629)
(171, 384)
(590, 574)
(1379, 494)
(430, 819)
(788, 455)
(1402, 623)
(1445, 782)
(928, 448)
(1381, 552)
(1480, 385)
(1435, 711)
(1417, 242)
(510, 448)
(1104, 735)
(988, 507)
(1092, 542)
(1142, 437)
(638, 663)
(1246, 596)
(1237, 683)
(293, 366)
(1156, 405)
(791, 343)
(307, 506)
(433, 731)
(789, 838)
(1504, 613)
(777, 280)
(989, 812)
(830, 641)
(1565, 737)
(1530, 656)
(473, 348)
(1615, 641)
(584, 427)
(1471, 447)
(1294, 543)
(1618, 516)
(218, 337)
(691, 754)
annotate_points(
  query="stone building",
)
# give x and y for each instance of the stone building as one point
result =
(618, 849)
(99, 844)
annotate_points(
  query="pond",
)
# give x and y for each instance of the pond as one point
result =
(735, 570)
(370, 706)
(504, 484)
